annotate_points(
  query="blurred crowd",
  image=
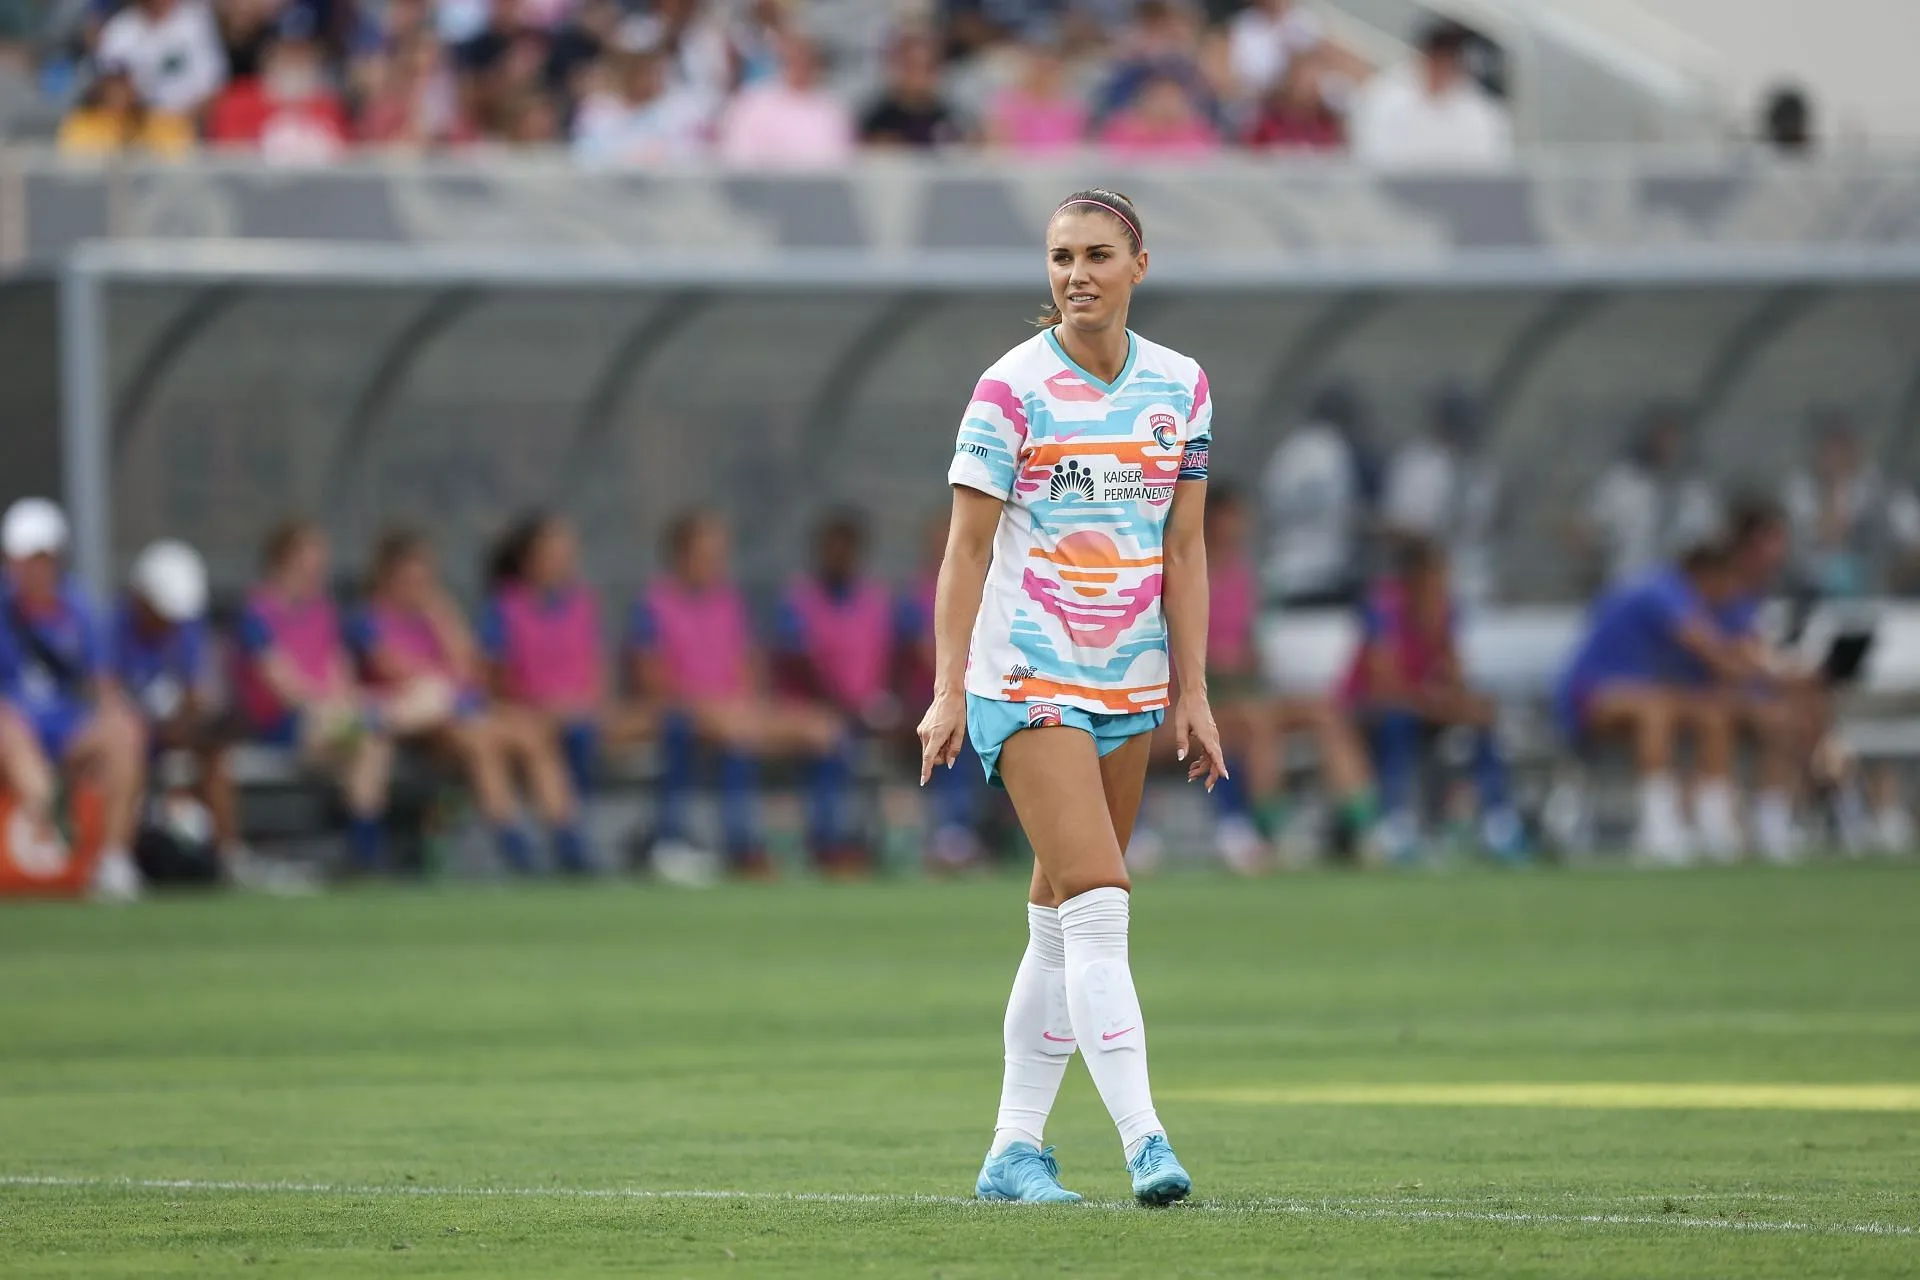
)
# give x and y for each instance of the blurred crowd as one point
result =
(765, 83)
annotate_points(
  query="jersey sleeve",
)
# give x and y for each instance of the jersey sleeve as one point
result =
(1193, 459)
(993, 434)
(1675, 606)
(256, 637)
(362, 635)
(643, 629)
(911, 620)
(492, 631)
(789, 631)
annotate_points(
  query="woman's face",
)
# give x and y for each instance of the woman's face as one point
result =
(1227, 527)
(551, 559)
(1092, 267)
(411, 580)
(304, 572)
(704, 559)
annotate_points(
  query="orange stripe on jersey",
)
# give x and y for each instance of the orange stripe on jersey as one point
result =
(1046, 453)
(1121, 702)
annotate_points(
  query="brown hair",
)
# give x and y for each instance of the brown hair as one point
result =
(283, 539)
(397, 544)
(1119, 208)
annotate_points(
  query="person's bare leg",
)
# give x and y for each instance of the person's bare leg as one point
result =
(113, 749)
(476, 743)
(1076, 809)
(1647, 716)
(28, 772)
(531, 745)
(365, 773)
(217, 793)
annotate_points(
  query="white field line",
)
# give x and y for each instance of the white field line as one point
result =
(1411, 1209)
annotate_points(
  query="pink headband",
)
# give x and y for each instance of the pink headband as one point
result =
(1102, 204)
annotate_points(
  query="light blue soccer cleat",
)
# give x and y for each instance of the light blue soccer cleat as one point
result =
(1025, 1174)
(1158, 1178)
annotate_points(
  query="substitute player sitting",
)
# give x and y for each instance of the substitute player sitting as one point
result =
(297, 686)
(542, 634)
(834, 649)
(1254, 723)
(69, 716)
(693, 658)
(414, 646)
(1406, 683)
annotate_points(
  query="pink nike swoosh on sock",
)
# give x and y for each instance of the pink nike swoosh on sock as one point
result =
(1115, 1035)
(1048, 1035)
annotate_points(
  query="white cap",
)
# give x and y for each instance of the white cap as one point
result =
(33, 527)
(170, 576)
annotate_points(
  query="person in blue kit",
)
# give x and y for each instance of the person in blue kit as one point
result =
(1660, 654)
(163, 657)
(70, 716)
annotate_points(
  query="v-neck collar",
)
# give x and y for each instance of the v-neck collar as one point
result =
(1107, 388)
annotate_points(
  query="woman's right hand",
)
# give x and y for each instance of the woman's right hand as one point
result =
(943, 731)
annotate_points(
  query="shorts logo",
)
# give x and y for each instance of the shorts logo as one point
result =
(1042, 715)
(1071, 480)
(1166, 430)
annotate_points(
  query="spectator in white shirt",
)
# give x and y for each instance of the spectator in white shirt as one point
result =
(171, 48)
(1649, 506)
(1440, 489)
(1317, 504)
(1850, 527)
(636, 118)
(1431, 113)
(789, 123)
(1265, 38)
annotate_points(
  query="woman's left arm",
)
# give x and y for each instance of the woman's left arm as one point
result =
(1184, 599)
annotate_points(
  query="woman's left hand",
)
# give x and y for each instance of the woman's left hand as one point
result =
(1195, 735)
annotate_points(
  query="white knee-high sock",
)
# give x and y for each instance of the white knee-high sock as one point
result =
(1106, 1012)
(1038, 1032)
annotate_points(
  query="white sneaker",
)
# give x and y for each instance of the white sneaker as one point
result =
(275, 876)
(1146, 851)
(1780, 844)
(115, 878)
(679, 863)
(1664, 845)
(1893, 831)
(1240, 845)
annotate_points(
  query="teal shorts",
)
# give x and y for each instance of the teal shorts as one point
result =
(991, 722)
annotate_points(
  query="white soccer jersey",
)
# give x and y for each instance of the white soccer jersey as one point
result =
(1071, 612)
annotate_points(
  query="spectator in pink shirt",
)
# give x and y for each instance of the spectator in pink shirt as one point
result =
(1162, 122)
(789, 123)
(1039, 112)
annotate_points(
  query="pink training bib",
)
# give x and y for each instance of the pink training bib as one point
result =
(848, 642)
(411, 639)
(704, 639)
(553, 658)
(1233, 595)
(306, 633)
(1415, 653)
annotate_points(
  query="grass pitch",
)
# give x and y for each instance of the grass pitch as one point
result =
(1593, 1074)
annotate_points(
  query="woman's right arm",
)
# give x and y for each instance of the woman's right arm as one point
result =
(956, 605)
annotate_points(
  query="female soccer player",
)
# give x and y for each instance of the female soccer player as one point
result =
(1079, 483)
